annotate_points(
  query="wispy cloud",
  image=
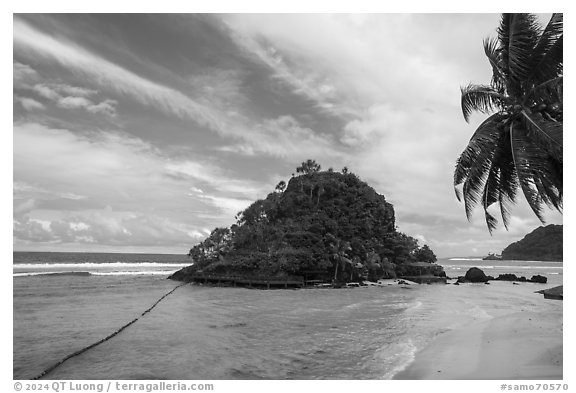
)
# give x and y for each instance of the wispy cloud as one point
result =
(170, 101)
(120, 180)
(112, 76)
(73, 97)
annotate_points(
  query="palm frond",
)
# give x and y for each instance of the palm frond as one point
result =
(501, 184)
(518, 35)
(491, 193)
(492, 51)
(547, 134)
(480, 98)
(531, 164)
(477, 142)
(552, 31)
(547, 56)
(473, 166)
(550, 65)
(547, 92)
(508, 180)
(551, 195)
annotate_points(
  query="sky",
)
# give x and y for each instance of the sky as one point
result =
(142, 133)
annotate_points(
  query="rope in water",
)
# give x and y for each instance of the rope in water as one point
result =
(56, 365)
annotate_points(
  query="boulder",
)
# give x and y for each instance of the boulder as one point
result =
(475, 275)
(539, 279)
(507, 277)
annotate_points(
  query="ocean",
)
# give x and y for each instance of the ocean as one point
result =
(63, 302)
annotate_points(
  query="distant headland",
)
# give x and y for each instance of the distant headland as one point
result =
(542, 244)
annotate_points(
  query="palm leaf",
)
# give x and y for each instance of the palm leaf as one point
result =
(528, 164)
(508, 180)
(492, 51)
(548, 134)
(548, 54)
(474, 165)
(500, 183)
(491, 193)
(480, 98)
(518, 35)
(469, 155)
(546, 92)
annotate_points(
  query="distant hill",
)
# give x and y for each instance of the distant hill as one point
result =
(542, 244)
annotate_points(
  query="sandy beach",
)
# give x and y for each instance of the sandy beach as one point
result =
(502, 344)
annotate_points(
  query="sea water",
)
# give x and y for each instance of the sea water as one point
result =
(66, 301)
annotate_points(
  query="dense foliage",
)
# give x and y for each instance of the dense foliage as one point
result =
(520, 145)
(542, 244)
(320, 225)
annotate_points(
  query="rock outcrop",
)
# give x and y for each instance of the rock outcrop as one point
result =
(475, 274)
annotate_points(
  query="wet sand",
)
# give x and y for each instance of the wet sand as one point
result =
(507, 344)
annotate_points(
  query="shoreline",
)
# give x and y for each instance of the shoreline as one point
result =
(516, 345)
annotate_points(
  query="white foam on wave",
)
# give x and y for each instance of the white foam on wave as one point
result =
(120, 273)
(136, 273)
(465, 259)
(396, 357)
(460, 267)
(96, 265)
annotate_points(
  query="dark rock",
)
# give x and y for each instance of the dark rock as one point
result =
(507, 277)
(490, 278)
(461, 279)
(539, 279)
(522, 279)
(487, 283)
(456, 283)
(475, 275)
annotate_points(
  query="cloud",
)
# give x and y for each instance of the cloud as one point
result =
(97, 228)
(30, 104)
(23, 75)
(117, 185)
(270, 136)
(112, 76)
(221, 87)
(377, 93)
(73, 97)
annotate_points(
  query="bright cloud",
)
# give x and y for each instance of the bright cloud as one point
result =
(121, 186)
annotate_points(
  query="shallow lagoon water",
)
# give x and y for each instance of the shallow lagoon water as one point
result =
(237, 333)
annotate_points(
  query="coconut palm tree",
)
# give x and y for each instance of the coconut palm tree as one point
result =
(520, 144)
(338, 249)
